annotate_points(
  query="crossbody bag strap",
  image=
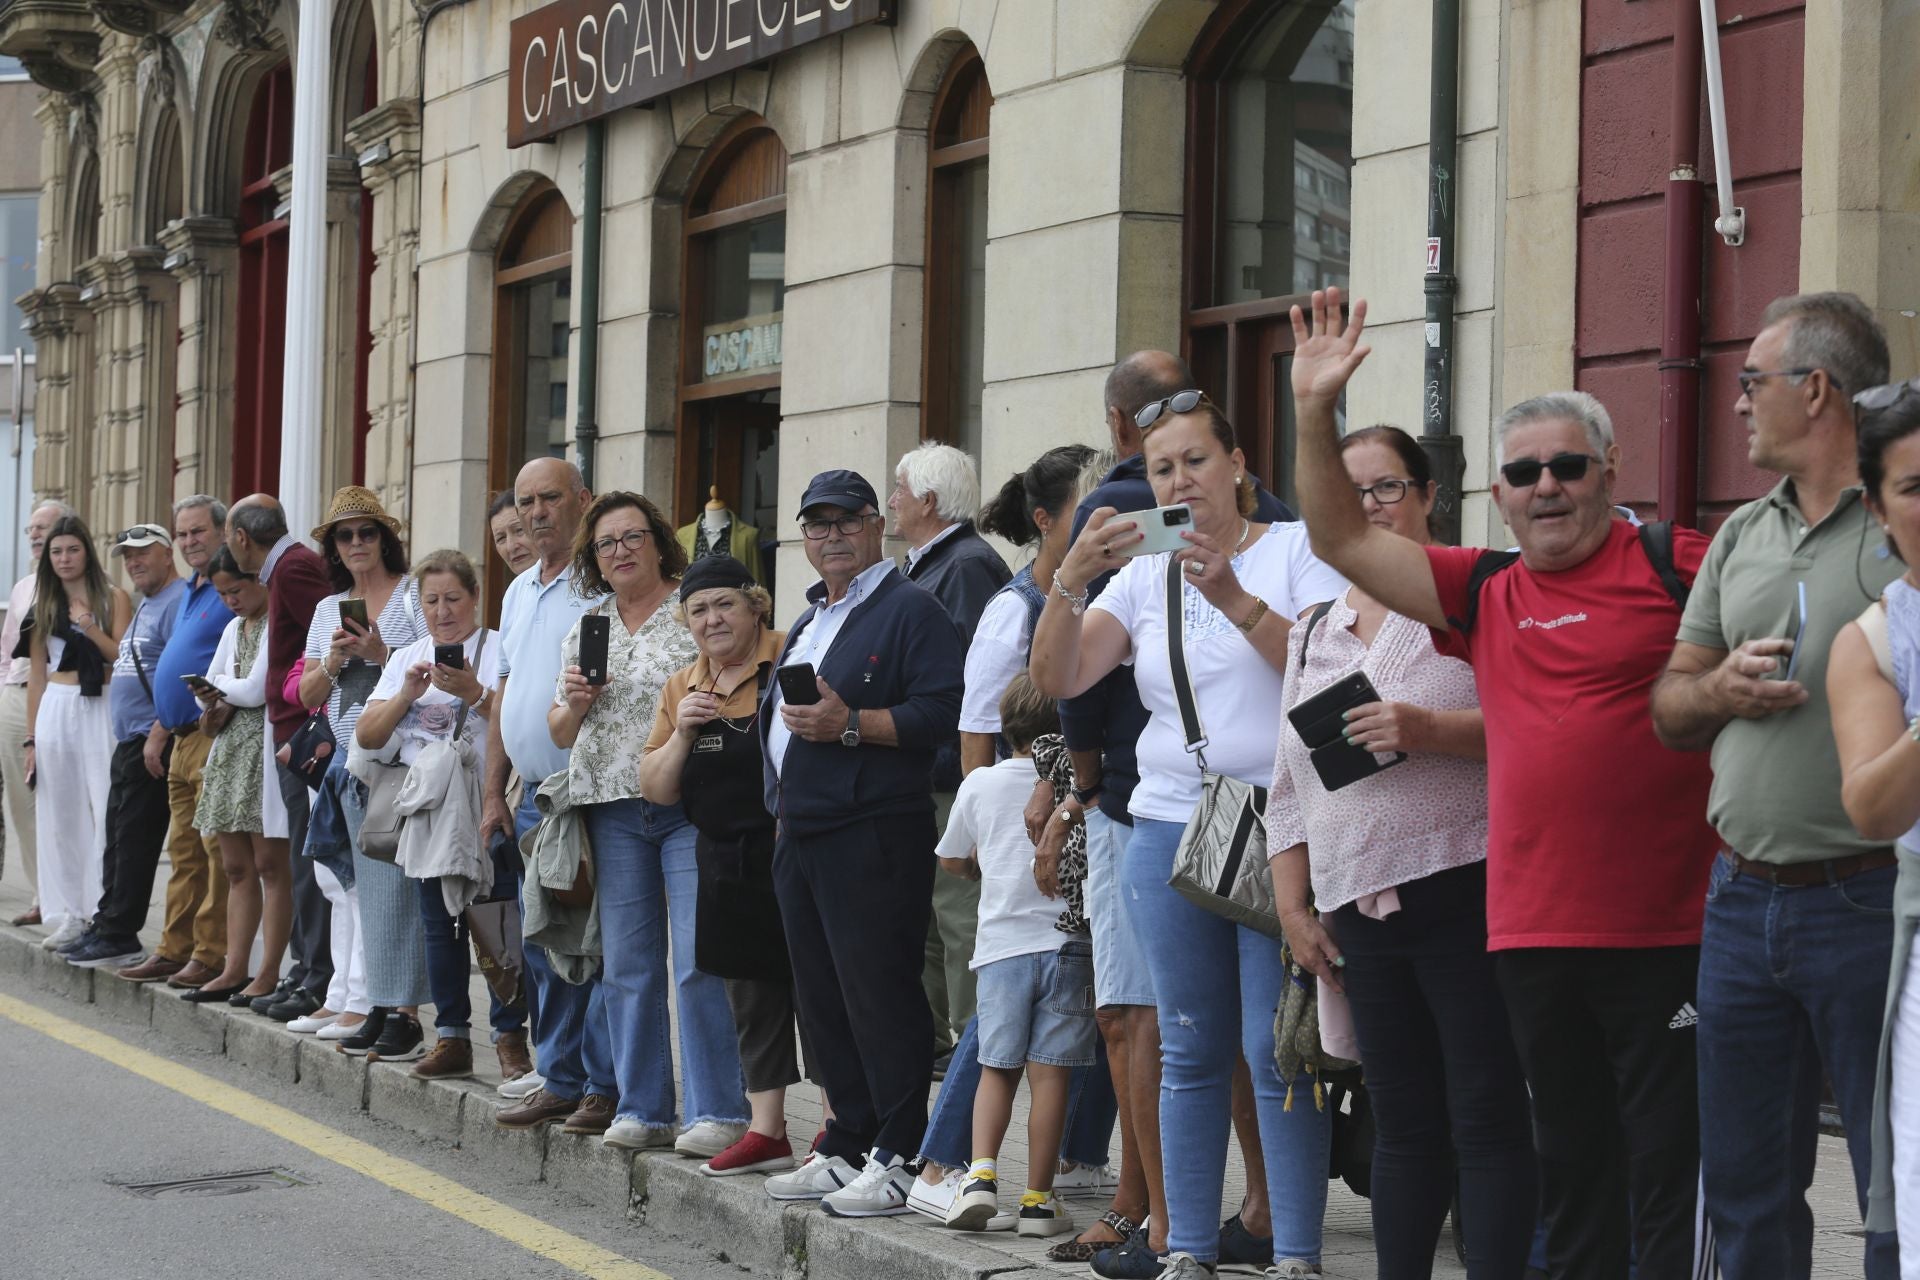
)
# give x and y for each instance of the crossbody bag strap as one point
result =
(133, 642)
(1196, 737)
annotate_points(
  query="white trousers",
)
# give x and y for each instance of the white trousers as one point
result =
(73, 764)
(1903, 1105)
(347, 992)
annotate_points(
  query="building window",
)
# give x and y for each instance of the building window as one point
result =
(10, 69)
(953, 373)
(533, 310)
(262, 328)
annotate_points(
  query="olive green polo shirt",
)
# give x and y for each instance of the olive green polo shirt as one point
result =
(1776, 781)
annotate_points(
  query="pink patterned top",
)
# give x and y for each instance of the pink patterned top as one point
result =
(1426, 814)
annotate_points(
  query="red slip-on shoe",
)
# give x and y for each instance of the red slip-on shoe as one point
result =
(755, 1153)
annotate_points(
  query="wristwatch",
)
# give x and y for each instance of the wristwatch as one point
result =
(851, 738)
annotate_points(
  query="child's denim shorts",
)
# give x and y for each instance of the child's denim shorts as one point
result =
(1038, 1008)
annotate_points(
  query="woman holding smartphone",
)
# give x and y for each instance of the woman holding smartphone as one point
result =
(235, 805)
(442, 682)
(1397, 869)
(1216, 983)
(645, 872)
(73, 639)
(374, 611)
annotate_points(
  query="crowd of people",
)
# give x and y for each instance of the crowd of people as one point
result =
(1595, 864)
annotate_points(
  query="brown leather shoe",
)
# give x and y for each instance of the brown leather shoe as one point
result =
(511, 1049)
(193, 977)
(30, 916)
(450, 1059)
(594, 1116)
(152, 969)
(535, 1109)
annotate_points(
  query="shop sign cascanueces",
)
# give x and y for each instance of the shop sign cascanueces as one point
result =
(573, 60)
(741, 348)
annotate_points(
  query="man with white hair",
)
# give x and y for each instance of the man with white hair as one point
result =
(1598, 847)
(21, 838)
(936, 491)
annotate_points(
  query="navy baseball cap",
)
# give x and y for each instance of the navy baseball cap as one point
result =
(847, 489)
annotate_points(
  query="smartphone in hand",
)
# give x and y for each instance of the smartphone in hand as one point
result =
(450, 655)
(356, 612)
(593, 647)
(798, 684)
(1160, 529)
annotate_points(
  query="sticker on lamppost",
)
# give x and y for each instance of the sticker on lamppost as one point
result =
(1433, 255)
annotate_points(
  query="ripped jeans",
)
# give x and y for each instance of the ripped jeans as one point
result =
(1217, 986)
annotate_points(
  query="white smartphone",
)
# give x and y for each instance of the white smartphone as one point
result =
(1162, 527)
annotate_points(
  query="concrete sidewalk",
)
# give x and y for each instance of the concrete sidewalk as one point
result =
(733, 1215)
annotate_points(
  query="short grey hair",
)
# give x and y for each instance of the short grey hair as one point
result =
(215, 508)
(945, 472)
(1559, 406)
(1832, 331)
(65, 510)
(263, 523)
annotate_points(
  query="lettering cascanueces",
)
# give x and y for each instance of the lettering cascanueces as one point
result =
(574, 60)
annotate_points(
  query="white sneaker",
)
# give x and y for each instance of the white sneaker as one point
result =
(708, 1139)
(977, 1204)
(631, 1135)
(880, 1191)
(521, 1087)
(66, 931)
(935, 1200)
(339, 1030)
(312, 1023)
(1292, 1269)
(1085, 1177)
(1184, 1266)
(1048, 1218)
(812, 1180)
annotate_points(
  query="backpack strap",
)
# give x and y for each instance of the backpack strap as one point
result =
(1489, 563)
(1314, 615)
(1656, 539)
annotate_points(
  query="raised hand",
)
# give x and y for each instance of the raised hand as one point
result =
(1326, 351)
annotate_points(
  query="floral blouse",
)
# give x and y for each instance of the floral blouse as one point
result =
(605, 762)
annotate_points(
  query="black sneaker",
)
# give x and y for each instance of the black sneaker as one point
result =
(401, 1040)
(98, 951)
(260, 1004)
(1131, 1259)
(297, 1003)
(1239, 1246)
(84, 938)
(367, 1036)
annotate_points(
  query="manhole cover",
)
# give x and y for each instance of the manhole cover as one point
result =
(215, 1184)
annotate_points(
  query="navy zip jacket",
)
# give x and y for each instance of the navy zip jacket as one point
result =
(898, 651)
(963, 572)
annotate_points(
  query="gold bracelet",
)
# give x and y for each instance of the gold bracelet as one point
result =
(1252, 620)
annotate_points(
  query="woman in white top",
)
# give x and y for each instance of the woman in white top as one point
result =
(1216, 983)
(1398, 875)
(420, 700)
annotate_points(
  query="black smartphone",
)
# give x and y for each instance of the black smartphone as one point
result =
(450, 655)
(356, 610)
(200, 684)
(798, 685)
(593, 647)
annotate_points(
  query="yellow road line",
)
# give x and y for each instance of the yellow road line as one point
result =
(531, 1234)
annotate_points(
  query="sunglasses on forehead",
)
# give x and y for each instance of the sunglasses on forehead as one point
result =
(1874, 399)
(1179, 402)
(1524, 473)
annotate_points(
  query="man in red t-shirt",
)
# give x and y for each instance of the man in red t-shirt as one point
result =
(1598, 846)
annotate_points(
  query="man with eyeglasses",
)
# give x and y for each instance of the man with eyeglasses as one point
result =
(849, 774)
(1598, 846)
(1794, 961)
(21, 832)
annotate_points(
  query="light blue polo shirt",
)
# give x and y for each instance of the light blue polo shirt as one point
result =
(534, 618)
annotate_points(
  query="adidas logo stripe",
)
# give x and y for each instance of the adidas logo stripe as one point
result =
(1687, 1017)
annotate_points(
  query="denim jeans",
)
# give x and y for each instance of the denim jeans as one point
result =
(646, 879)
(449, 968)
(1217, 987)
(572, 1047)
(1792, 980)
(1091, 1108)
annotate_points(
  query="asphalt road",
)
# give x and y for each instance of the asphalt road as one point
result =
(78, 1128)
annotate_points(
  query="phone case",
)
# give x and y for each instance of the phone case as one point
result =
(797, 684)
(450, 655)
(593, 648)
(1159, 535)
(1319, 722)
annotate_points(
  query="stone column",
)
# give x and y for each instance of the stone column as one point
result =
(339, 412)
(203, 255)
(135, 451)
(301, 423)
(386, 142)
(58, 323)
(119, 99)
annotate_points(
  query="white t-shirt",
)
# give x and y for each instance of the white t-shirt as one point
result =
(1238, 692)
(998, 654)
(988, 818)
(431, 718)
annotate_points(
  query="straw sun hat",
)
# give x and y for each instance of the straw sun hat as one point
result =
(349, 502)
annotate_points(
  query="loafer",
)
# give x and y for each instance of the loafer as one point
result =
(194, 976)
(511, 1050)
(154, 968)
(340, 1028)
(297, 1003)
(204, 994)
(281, 990)
(313, 1024)
(593, 1115)
(30, 916)
(536, 1108)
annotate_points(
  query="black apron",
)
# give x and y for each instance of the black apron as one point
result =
(737, 929)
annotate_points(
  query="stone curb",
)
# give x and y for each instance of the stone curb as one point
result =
(732, 1216)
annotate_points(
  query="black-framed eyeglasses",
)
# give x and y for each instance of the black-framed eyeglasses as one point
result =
(1748, 377)
(632, 540)
(845, 526)
(1524, 473)
(1179, 402)
(359, 533)
(1384, 492)
(1874, 399)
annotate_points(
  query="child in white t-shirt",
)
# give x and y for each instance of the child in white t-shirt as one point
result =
(1035, 982)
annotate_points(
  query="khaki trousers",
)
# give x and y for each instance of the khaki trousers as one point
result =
(22, 842)
(196, 920)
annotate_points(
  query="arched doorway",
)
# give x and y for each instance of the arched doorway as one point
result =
(1268, 199)
(262, 328)
(953, 368)
(728, 439)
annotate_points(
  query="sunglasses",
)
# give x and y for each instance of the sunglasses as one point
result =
(1178, 402)
(1750, 377)
(1874, 399)
(364, 533)
(1524, 473)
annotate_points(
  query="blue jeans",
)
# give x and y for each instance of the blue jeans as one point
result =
(572, 1048)
(646, 879)
(1091, 1108)
(449, 968)
(1217, 987)
(1792, 980)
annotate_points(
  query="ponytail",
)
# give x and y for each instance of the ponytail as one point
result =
(1007, 515)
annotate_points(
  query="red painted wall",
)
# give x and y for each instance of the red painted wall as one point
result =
(1625, 98)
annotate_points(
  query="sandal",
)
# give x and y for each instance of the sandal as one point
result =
(1083, 1250)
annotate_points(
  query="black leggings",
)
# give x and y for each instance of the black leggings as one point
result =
(1445, 1082)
